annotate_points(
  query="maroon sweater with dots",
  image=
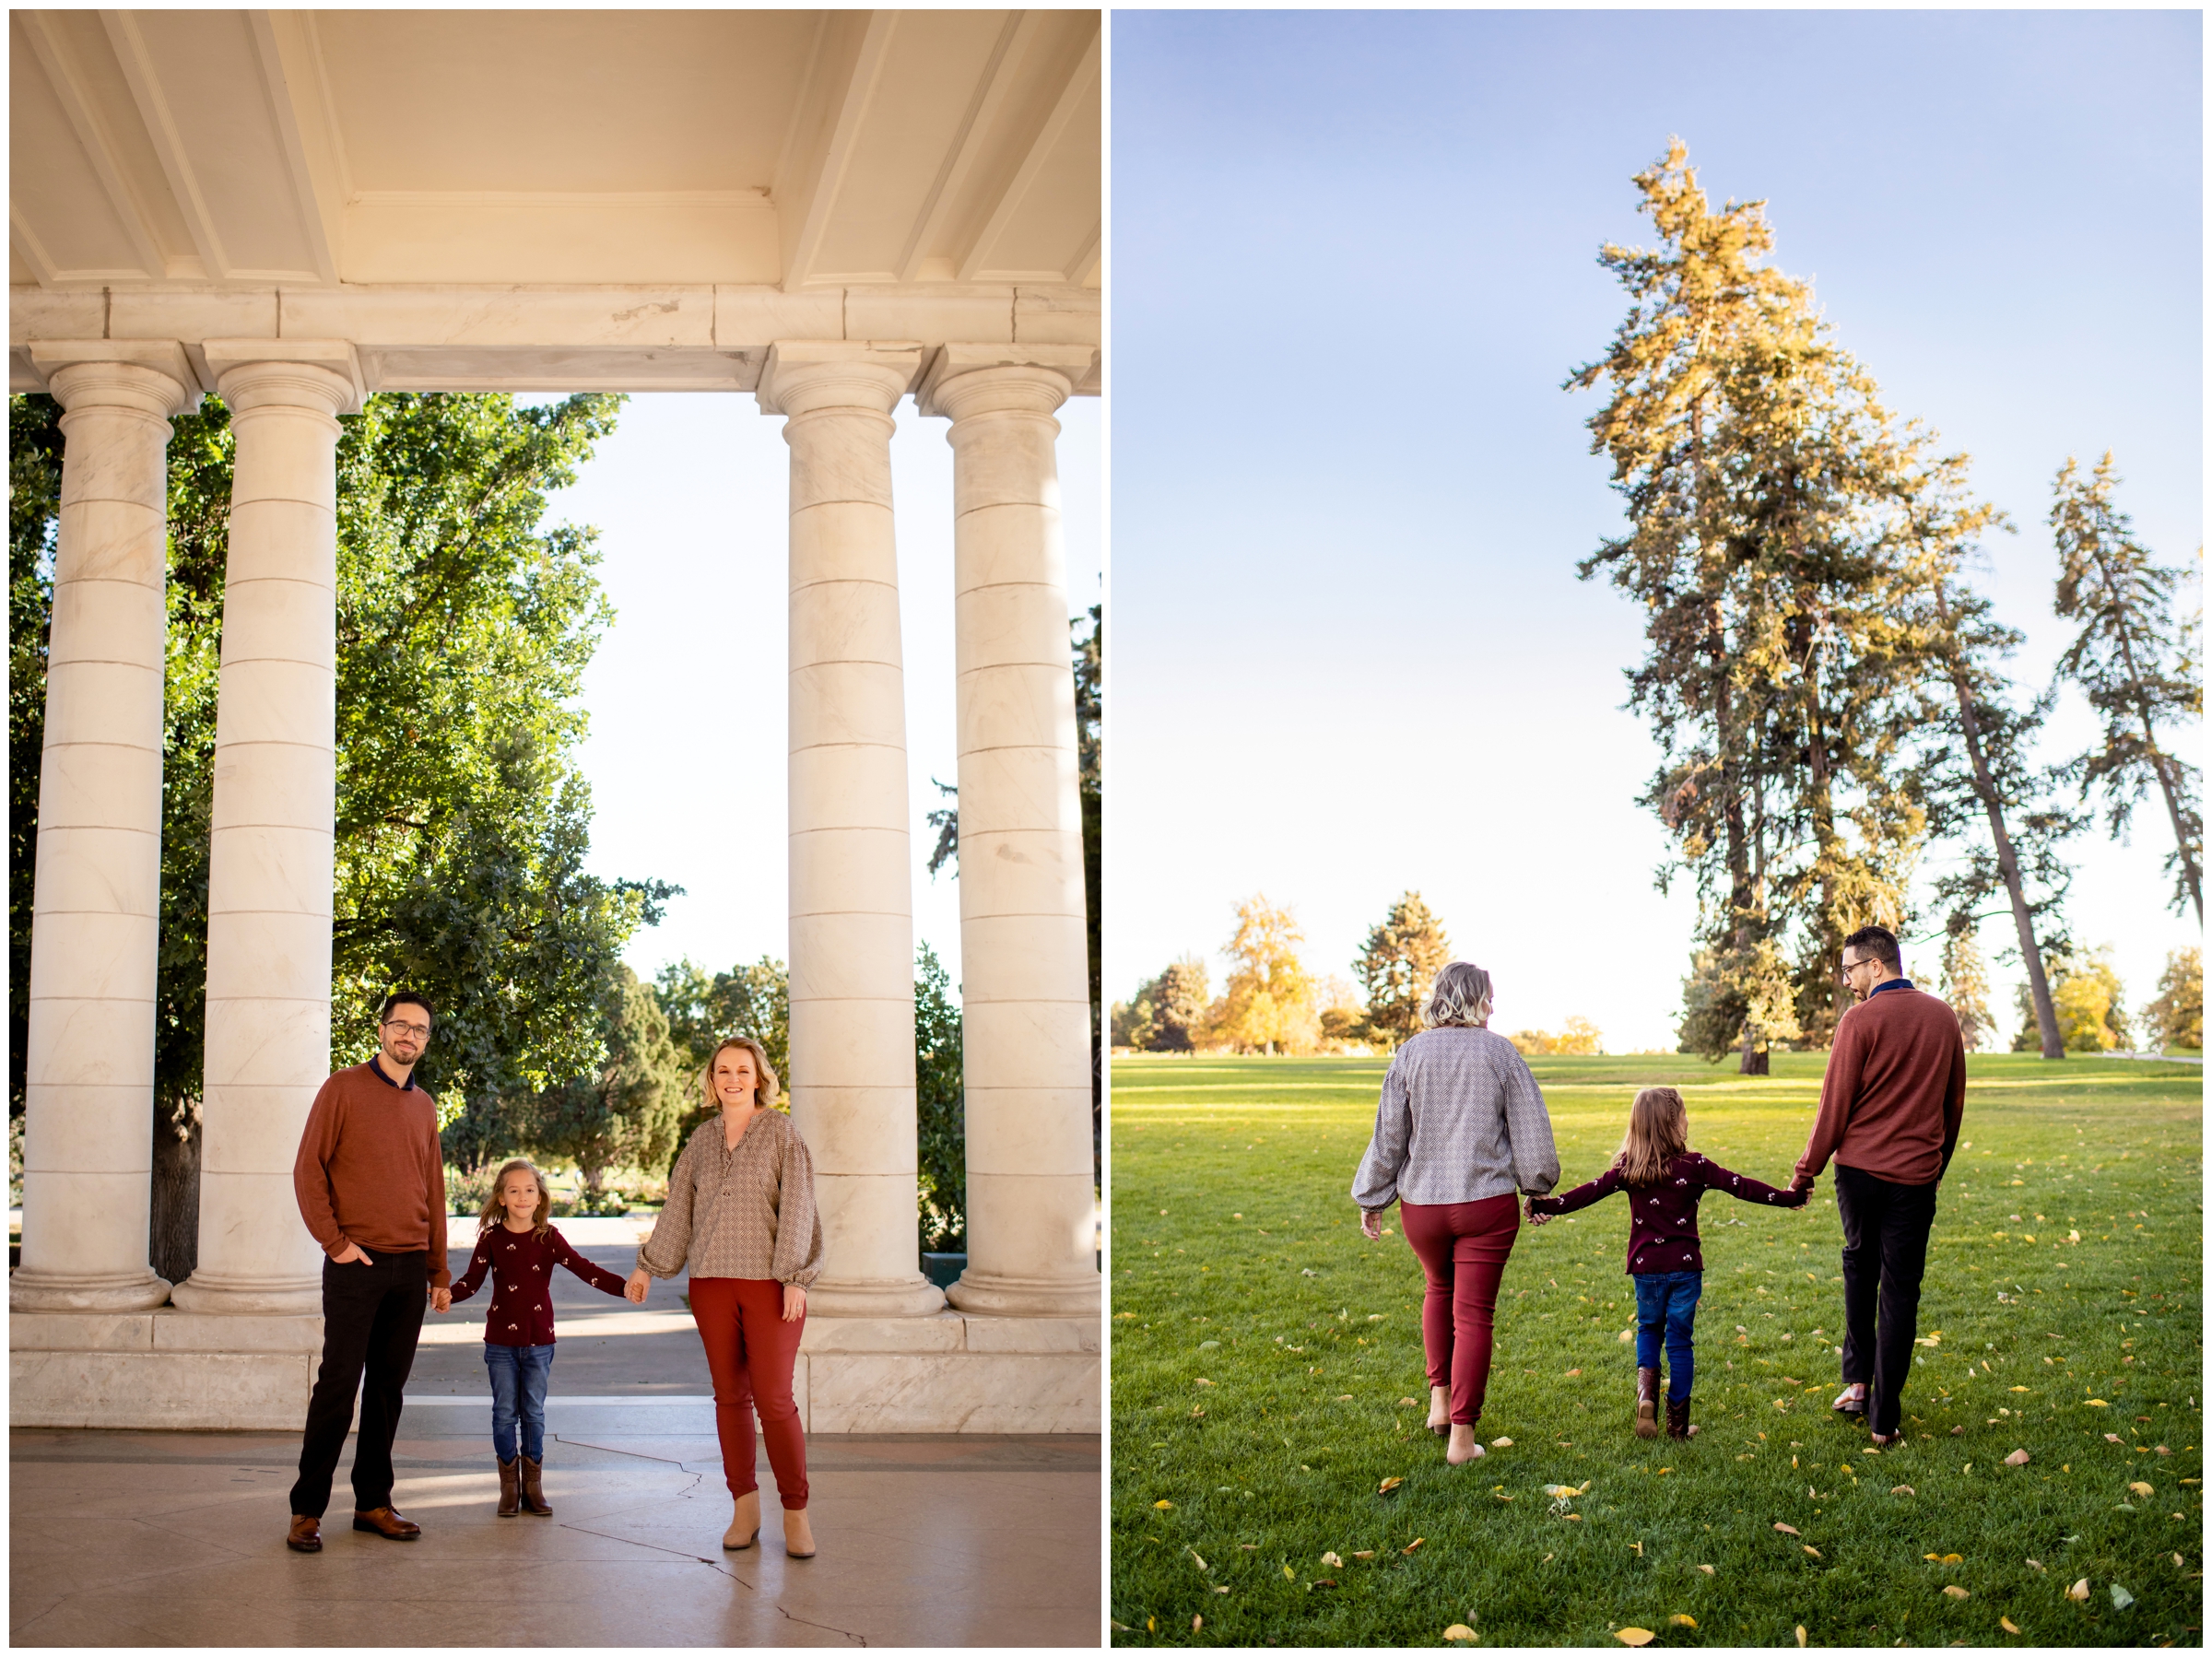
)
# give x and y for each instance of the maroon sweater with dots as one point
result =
(1663, 1219)
(520, 1264)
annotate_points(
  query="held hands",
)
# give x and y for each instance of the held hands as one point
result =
(794, 1302)
(442, 1299)
(1535, 1216)
(634, 1291)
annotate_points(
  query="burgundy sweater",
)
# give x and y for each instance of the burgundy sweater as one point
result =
(1663, 1219)
(520, 1264)
(1895, 1092)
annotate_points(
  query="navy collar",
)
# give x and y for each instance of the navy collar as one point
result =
(407, 1088)
(1900, 982)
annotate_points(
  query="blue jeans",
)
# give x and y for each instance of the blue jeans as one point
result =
(1667, 1302)
(518, 1388)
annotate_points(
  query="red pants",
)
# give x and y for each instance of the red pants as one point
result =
(750, 1353)
(1463, 1248)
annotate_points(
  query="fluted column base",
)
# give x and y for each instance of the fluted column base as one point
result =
(29, 1290)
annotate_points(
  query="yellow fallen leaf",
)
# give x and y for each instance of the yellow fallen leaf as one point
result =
(1561, 1490)
(1956, 1592)
(2095, 1403)
(1290, 1575)
(1576, 1517)
(1900, 1490)
(1683, 1620)
(1502, 1443)
(1953, 1559)
(1787, 1530)
(1585, 1486)
(2140, 1488)
(1634, 1637)
(1194, 1553)
(1343, 1398)
(1414, 1544)
(1812, 1550)
(1646, 1636)
(1800, 1633)
(2020, 1388)
(1203, 1381)
(1222, 1588)
(1407, 1404)
(2111, 1438)
(1332, 1558)
(1163, 1506)
(2007, 1624)
(1365, 1553)
(2019, 1458)
(1197, 1623)
(1639, 1548)
(1459, 1632)
(1706, 1569)
(2080, 1591)
(1387, 1486)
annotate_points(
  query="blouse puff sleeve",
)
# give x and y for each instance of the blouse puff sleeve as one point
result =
(1375, 1187)
(798, 1252)
(662, 1252)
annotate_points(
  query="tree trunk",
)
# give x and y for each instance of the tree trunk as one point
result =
(173, 1232)
(1755, 1061)
(2150, 741)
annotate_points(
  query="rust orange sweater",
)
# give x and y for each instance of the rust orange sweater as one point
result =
(370, 1169)
(1895, 1090)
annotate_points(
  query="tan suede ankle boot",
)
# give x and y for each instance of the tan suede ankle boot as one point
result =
(745, 1524)
(798, 1536)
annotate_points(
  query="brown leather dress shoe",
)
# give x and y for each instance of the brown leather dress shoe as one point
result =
(386, 1524)
(306, 1534)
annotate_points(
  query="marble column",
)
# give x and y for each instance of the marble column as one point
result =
(851, 905)
(1025, 990)
(269, 855)
(88, 1148)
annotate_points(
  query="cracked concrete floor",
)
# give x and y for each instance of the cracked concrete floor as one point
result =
(131, 1538)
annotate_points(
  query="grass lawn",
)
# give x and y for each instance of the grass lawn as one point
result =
(1267, 1378)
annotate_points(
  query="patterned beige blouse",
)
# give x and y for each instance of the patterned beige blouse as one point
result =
(742, 1213)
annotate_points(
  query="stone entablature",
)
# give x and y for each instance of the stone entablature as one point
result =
(560, 339)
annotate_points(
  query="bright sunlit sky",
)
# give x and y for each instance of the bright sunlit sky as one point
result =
(687, 744)
(1353, 259)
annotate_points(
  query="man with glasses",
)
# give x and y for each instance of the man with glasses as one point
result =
(1890, 1106)
(371, 1180)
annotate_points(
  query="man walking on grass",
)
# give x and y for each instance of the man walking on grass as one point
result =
(1890, 1108)
(371, 1180)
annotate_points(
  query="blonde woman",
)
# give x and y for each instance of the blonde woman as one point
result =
(741, 1215)
(1460, 1128)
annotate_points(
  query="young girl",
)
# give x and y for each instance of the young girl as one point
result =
(516, 1243)
(1664, 1179)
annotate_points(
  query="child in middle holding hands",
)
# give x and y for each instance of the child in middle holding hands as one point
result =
(517, 1244)
(1664, 1179)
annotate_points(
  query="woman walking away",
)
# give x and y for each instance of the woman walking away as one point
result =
(516, 1243)
(1460, 1128)
(1664, 1179)
(741, 1216)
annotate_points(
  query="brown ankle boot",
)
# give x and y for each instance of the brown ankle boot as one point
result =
(533, 1496)
(1677, 1419)
(1647, 1402)
(511, 1487)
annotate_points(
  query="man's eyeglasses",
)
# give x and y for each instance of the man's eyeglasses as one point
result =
(1850, 967)
(421, 1032)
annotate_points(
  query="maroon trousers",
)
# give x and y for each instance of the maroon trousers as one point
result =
(750, 1351)
(1463, 1248)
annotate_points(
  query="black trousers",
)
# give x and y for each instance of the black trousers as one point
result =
(1885, 1254)
(371, 1318)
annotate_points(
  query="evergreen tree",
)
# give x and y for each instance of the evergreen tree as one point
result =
(623, 1114)
(1398, 968)
(2133, 661)
(1966, 983)
(1166, 1013)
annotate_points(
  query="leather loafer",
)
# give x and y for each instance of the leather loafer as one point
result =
(306, 1534)
(387, 1524)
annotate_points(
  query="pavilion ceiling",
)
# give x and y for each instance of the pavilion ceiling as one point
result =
(798, 150)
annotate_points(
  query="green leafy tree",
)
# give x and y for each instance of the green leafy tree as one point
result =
(940, 1109)
(1398, 964)
(2134, 661)
(2176, 1019)
(1167, 1011)
(464, 627)
(624, 1115)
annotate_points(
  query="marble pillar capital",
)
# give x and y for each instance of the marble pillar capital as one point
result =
(808, 376)
(964, 379)
(152, 377)
(320, 375)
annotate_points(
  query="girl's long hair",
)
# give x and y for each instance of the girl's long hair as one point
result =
(495, 1211)
(1658, 1133)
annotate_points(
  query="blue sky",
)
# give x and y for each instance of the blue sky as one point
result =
(687, 744)
(1353, 257)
